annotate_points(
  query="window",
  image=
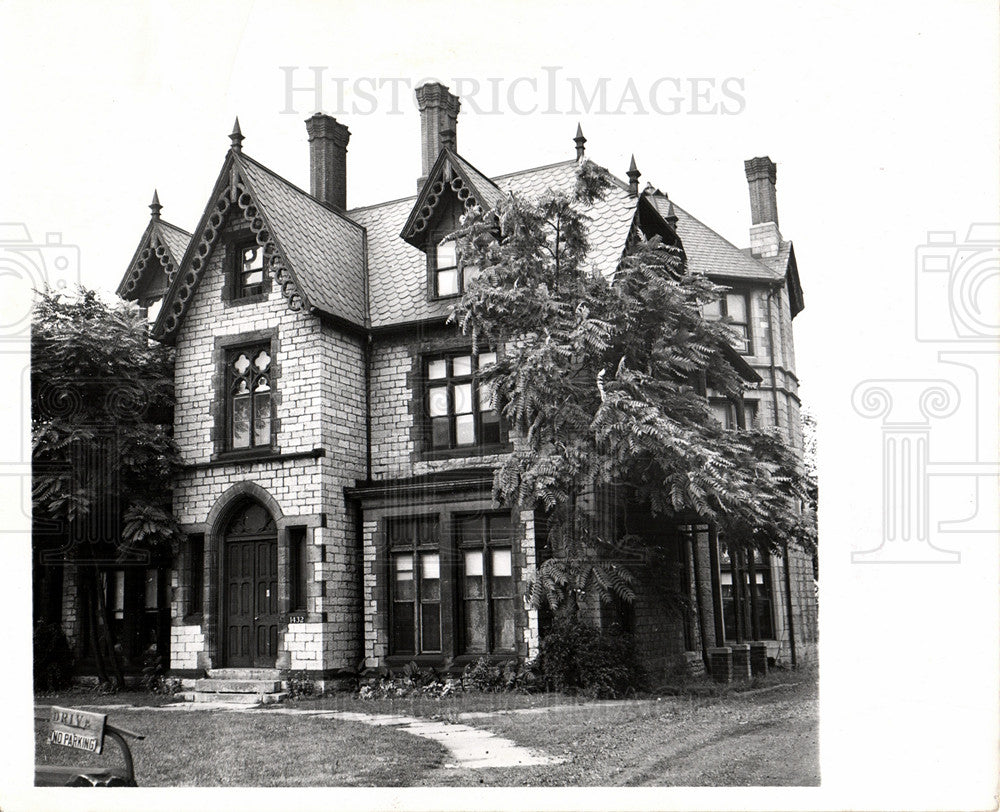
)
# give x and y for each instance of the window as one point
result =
(486, 584)
(246, 269)
(299, 566)
(724, 411)
(460, 409)
(449, 275)
(736, 307)
(415, 586)
(761, 563)
(248, 412)
(196, 572)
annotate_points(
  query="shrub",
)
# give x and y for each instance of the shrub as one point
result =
(574, 657)
(53, 660)
(490, 677)
(300, 685)
(152, 670)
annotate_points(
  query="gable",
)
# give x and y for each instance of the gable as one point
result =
(314, 255)
(451, 177)
(397, 269)
(154, 262)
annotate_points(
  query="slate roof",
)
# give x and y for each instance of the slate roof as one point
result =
(325, 249)
(710, 253)
(357, 268)
(398, 271)
(176, 239)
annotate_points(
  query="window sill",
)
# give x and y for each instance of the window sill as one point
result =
(466, 451)
(223, 458)
(259, 453)
(256, 298)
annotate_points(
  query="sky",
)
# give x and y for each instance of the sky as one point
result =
(882, 118)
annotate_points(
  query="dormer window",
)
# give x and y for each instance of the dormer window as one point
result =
(447, 274)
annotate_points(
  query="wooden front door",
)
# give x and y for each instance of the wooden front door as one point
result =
(251, 589)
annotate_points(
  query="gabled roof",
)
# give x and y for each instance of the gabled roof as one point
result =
(708, 252)
(325, 250)
(785, 265)
(315, 254)
(450, 171)
(155, 260)
(398, 271)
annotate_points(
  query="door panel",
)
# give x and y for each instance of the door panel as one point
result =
(252, 602)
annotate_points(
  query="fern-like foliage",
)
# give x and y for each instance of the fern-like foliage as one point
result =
(601, 380)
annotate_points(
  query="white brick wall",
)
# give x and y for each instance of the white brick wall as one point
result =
(185, 644)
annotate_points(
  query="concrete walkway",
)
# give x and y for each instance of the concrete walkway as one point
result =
(469, 748)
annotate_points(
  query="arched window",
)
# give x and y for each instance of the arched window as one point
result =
(249, 390)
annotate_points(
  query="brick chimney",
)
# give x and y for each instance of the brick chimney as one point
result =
(438, 124)
(328, 159)
(765, 238)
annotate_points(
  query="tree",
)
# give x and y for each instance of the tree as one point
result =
(103, 457)
(603, 383)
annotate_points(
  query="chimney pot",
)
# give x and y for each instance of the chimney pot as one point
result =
(328, 159)
(438, 108)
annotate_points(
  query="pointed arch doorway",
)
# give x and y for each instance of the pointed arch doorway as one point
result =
(250, 588)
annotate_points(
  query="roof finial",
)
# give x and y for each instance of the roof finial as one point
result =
(236, 136)
(633, 178)
(579, 140)
(155, 206)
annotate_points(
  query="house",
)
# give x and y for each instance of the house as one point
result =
(336, 495)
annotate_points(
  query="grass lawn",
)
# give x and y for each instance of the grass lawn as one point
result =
(222, 748)
(757, 739)
(704, 737)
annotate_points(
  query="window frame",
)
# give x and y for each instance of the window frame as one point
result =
(415, 546)
(723, 302)
(269, 339)
(450, 381)
(486, 546)
(195, 575)
(233, 289)
(751, 413)
(765, 601)
(252, 352)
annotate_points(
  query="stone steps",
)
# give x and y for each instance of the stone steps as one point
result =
(233, 699)
(244, 673)
(239, 686)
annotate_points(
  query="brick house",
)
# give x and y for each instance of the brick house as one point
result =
(336, 498)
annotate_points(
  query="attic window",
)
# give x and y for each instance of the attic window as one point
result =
(247, 280)
(251, 279)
